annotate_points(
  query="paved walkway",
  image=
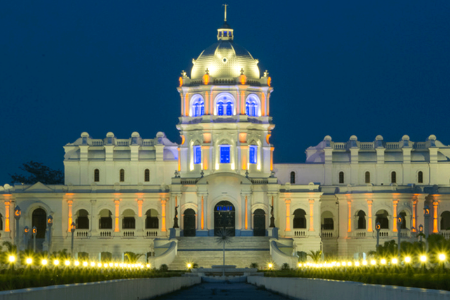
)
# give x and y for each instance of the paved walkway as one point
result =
(234, 291)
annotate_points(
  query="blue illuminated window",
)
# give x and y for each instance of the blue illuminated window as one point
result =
(198, 108)
(197, 154)
(229, 109)
(253, 154)
(224, 107)
(251, 107)
(220, 108)
(225, 154)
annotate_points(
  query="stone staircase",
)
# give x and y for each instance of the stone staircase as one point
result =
(205, 252)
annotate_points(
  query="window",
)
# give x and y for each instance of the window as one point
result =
(361, 220)
(445, 220)
(393, 177)
(122, 175)
(420, 177)
(220, 109)
(147, 175)
(253, 154)
(251, 107)
(105, 219)
(403, 216)
(229, 109)
(367, 177)
(328, 224)
(197, 154)
(128, 221)
(198, 107)
(299, 219)
(341, 177)
(382, 218)
(225, 154)
(96, 175)
(82, 220)
(225, 106)
(292, 177)
(151, 220)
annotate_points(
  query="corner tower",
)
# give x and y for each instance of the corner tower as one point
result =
(225, 123)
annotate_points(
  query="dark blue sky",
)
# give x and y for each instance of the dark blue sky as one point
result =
(338, 68)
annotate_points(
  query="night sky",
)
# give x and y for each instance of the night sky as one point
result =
(338, 68)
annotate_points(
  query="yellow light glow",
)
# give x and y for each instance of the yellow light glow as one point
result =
(76, 263)
(148, 265)
(373, 262)
(442, 257)
(349, 263)
(67, 262)
(29, 261)
(383, 261)
(338, 264)
(394, 261)
(116, 265)
(423, 258)
(407, 259)
(299, 265)
(270, 266)
(142, 266)
(92, 264)
(85, 263)
(105, 265)
(189, 265)
(364, 262)
(11, 258)
(357, 264)
(44, 262)
(121, 265)
(111, 264)
(56, 262)
(99, 265)
(344, 263)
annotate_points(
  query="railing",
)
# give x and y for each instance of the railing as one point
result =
(366, 146)
(445, 234)
(106, 233)
(327, 233)
(97, 143)
(148, 142)
(339, 146)
(360, 234)
(82, 233)
(128, 233)
(420, 145)
(300, 233)
(151, 232)
(224, 81)
(189, 181)
(405, 233)
(384, 233)
(122, 143)
(259, 181)
(392, 145)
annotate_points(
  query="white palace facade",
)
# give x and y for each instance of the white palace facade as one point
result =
(123, 194)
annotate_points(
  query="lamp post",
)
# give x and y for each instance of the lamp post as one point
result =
(399, 229)
(420, 232)
(34, 238)
(426, 214)
(17, 214)
(49, 226)
(377, 228)
(72, 229)
(26, 232)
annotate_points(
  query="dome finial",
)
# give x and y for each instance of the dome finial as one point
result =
(225, 17)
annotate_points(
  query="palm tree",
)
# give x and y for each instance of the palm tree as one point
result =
(224, 237)
(133, 257)
(315, 256)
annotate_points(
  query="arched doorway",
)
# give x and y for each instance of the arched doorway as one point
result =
(224, 218)
(189, 222)
(39, 219)
(259, 223)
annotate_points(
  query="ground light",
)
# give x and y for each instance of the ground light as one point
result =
(76, 263)
(394, 261)
(442, 257)
(373, 262)
(67, 262)
(148, 265)
(111, 264)
(383, 261)
(189, 265)
(344, 263)
(116, 265)
(357, 264)
(85, 263)
(349, 263)
(44, 262)
(11, 258)
(423, 258)
(407, 259)
(92, 264)
(56, 262)
(270, 265)
(299, 265)
(29, 261)
(99, 265)
(364, 262)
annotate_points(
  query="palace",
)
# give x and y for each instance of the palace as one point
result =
(169, 200)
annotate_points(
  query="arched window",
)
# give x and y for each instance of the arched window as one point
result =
(420, 177)
(382, 218)
(403, 216)
(292, 177)
(122, 175)
(198, 107)
(96, 175)
(253, 154)
(225, 106)
(252, 106)
(393, 177)
(82, 219)
(445, 220)
(224, 154)
(151, 220)
(367, 177)
(39, 219)
(197, 154)
(128, 221)
(147, 175)
(341, 177)
(327, 221)
(105, 219)
(361, 220)
(299, 219)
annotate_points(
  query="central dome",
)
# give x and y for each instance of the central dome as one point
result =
(225, 59)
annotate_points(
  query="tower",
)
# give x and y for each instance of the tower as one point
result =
(225, 123)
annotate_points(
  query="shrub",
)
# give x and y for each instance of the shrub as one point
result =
(285, 266)
(254, 265)
(164, 268)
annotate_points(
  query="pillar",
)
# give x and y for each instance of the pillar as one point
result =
(288, 214)
(394, 227)
(140, 222)
(435, 216)
(349, 206)
(163, 214)
(69, 214)
(414, 215)
(311, 214)
(369, 221)
(116, 215)
(94, 217)
(7, 215)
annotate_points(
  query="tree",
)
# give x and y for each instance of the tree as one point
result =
(38, 173)
(132, 257)
(315, 256)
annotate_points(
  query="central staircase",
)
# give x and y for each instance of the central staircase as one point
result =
(204, 251)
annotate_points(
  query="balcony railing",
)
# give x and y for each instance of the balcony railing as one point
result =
(326, 234)
(360, 233)
(384, 233)
(300, 233)
(128, 233)
(106, 233)
(82, 233)
(151, 232)
(445, 234)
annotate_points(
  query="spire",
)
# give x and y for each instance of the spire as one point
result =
(225, 18)
(225, 32)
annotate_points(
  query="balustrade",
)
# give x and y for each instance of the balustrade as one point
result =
(128, 233)
(106, 233)
(327, 233)
(82, 233)
(300, 233)
(151, 232)
(445, 234)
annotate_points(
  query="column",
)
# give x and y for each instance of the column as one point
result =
(311, 214)
(163, 215)
(349, 205)
(288, 214)
(202, 217)
(140, 222)
(246, 213)
(414, 216)
(94, 217)
(435, 216)
(116, 215)
(70, 214)
(394, 203)
(7, 215)
(271, 158)
(369, 223)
